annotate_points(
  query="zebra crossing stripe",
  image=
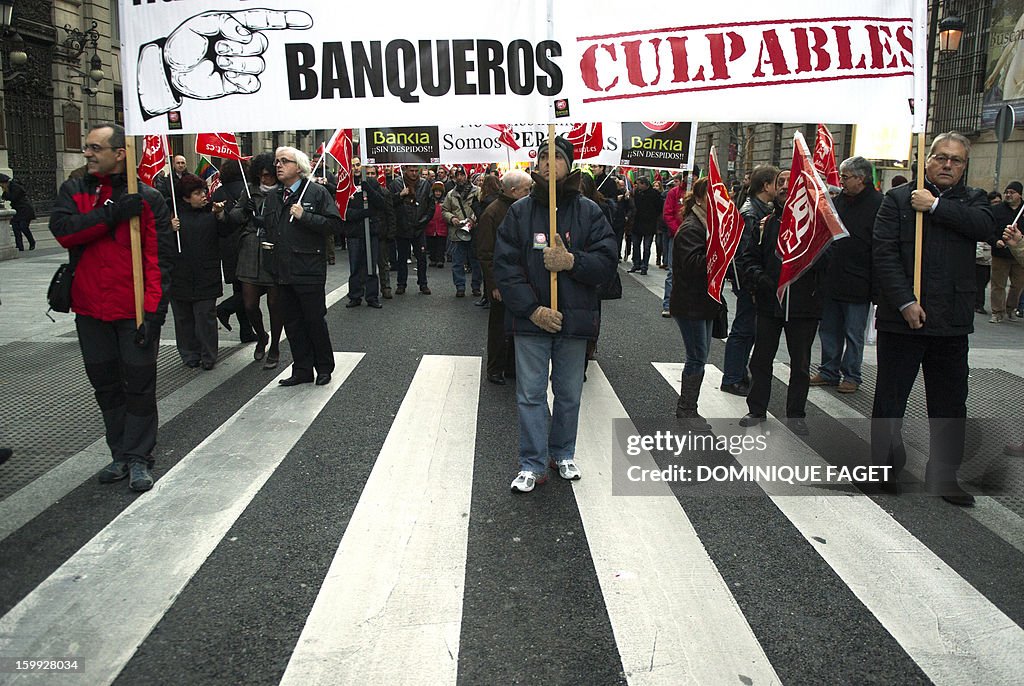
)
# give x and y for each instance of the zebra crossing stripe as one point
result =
(673, 616)
(954, 633)
(102, 603)
(1000, 520)
(390, 606)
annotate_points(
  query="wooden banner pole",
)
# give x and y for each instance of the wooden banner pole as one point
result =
(552, 210)
(136, 231)
(919, 219)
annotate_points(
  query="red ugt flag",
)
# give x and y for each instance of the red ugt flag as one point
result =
(809, 219)
(587, 140)
(825, 156)
(507, 136)
(725, 228)
(218, 145)
(154, 156)
(340, 148)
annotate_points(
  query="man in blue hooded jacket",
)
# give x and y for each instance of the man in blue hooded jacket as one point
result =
(583, 256)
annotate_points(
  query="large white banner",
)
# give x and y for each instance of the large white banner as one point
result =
(207, 65)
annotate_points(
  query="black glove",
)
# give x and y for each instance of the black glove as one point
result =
(149, 333)
(250, 205)
(127, 206)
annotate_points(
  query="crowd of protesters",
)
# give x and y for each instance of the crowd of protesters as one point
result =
(272, 226)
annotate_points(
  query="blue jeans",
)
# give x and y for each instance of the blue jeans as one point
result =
(842, 321)
(542, 434)
(668, 277)
(462, 251)
(741, 339)
(697, 341)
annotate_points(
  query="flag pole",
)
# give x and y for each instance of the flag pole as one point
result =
(136, 231)
(174, 200)
(245, 182)
(919, 220)
(552, 210)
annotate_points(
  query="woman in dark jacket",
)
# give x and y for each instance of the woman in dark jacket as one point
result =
(255, 251)
(195, 277)
(689, 304)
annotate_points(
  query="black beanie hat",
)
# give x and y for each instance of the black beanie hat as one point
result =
(563, 148)
(1015, 185)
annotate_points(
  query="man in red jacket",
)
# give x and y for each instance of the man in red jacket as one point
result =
(92, 220)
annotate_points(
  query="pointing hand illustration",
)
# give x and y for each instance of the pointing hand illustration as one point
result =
(210, 55)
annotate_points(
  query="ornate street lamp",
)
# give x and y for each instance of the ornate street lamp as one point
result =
(17, 56)
(951, 30)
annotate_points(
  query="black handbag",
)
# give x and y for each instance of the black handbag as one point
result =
(58, 295)
(720, 326)
(612, 288)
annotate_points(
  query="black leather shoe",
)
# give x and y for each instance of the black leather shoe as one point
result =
(192, 364)
(353, 303)
(5, 454)
(951, 492)
(374, 304)
(476, 292)
(496, 379)
(225, 319)
(386, 292)
(323, 379)
(751, 419)
(741, 389)
(208, 366)
(426, 291)
(633, 270)
(798, 426)
(295, 380)
(400, 290)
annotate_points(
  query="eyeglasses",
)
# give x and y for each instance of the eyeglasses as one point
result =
(847, 177)
(282, 161)
(96, 148)
(954, 161)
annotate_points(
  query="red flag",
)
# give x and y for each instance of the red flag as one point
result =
(382, 177)
(587, 140)
(825, 156)
(809, 219)
(507, 136)
(725, 228)
(319, 150)
(340, 148)
(218, 145)
(154, 157)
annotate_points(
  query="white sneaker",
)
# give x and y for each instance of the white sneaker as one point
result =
(525, 481)
(567, 469)
(666, 314)
(995, 318)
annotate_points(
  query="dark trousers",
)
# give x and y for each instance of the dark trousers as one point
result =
(123, 377)
(799, 338)
(501, 353)
(944, 361)
(641, 250)
(360, 283)
(304, 308)
(407, 247)
(234, 304)
(20, 227)
(436, 247)
(195, 329)
(384, 248)
(982, 274)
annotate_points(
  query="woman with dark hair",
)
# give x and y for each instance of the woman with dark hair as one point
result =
(255, 253)
(195, 277)
(689, 304)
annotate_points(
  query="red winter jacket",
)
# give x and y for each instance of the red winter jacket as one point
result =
(673, 203)
(436, 226)
(102, 286)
